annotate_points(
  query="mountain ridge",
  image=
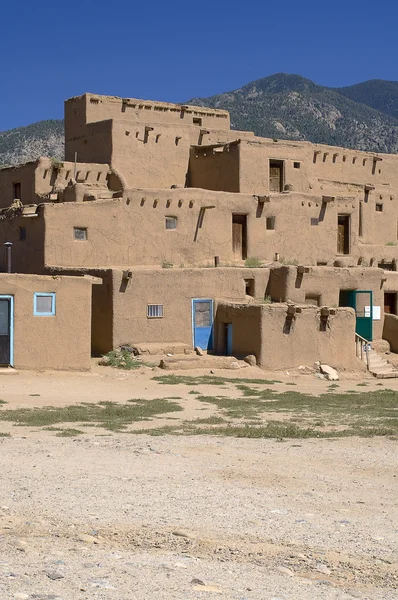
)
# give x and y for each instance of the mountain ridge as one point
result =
(363, 116)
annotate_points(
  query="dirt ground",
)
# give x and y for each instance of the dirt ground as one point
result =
(130, 516)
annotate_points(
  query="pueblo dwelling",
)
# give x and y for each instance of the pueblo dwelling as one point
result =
(165, 228)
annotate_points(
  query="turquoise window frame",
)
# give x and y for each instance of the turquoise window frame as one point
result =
(40, 295)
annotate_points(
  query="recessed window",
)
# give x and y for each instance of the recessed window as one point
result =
(270, 223)
(22, 234)
(154, 311)
(379, 208)
(80, 233)
(17, 190)
(171, 222)
(296, 165)
(44, 304)
(197, 121)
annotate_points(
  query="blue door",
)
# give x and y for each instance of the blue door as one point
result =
(202, 322)
(6, 330)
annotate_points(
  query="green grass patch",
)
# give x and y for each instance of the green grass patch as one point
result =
(364, 384)
(109, 415)
(4, 434)
(209, 380)
(3, 402)
(64, 432)
(373, 411)
(213, 420)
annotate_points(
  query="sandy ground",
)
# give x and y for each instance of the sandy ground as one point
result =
(123, 516)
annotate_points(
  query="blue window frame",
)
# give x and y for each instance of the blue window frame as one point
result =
(44, 304)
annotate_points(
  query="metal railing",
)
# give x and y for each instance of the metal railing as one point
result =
(362, 348)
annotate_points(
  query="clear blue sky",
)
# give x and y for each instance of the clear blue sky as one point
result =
(178, 50)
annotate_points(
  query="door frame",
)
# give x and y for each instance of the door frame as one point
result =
(211, 339)
(11, 299)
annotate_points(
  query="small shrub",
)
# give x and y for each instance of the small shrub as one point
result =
(391, 244)
(167, 265)
(120, 359)
(253, 262)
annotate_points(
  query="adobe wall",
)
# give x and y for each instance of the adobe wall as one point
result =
(41, 180)
(27, 255)
(390, 331)
(121, 231)
(324, 170)
(175, 289)
(304, 342)
(131, 230)
(214, 167)
(286, 284)
(246, 329)
(50, 342)
(90, 108)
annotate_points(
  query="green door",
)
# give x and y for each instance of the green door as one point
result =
(364, 312)
(362, 302)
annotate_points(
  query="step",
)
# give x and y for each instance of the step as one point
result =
(390, 375)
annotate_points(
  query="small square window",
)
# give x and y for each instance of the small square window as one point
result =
(171, 222)
(379, 208)
(44, 304)
(154, 311)
(80, 234)
(22, 234)
(270, 223)
(197, 121)
(296, 165)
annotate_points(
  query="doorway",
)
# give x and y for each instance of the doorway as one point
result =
(202, 323)
(362, 302)
(390, 303)
(227, 337)
(6, 330)
(343, 234)
(239, 237)
(276, 175)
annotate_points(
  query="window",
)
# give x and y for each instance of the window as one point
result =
(17, 190)
(154, 311)
(249, 287)
(270, 223)
(22, 234)
(171, 222)
(296, 165)
(197, 121)
(80, 233)
(44, 304)
(313, 299)
(379, 208)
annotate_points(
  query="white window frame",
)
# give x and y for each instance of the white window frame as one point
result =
(155, 311)
(36, 295)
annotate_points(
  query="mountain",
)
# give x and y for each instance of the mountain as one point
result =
(376, 93)
(45, 138)
(363, 116)
(291, 107)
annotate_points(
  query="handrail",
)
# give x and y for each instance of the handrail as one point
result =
(362, 345)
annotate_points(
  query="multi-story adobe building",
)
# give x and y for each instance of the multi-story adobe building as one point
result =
(203, 235)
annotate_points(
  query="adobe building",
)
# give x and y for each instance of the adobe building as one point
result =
(45, 321)
(203, 235)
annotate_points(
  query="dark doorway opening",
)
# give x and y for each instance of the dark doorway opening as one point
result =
(390, 303)
(239, 237)
(343, 234)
